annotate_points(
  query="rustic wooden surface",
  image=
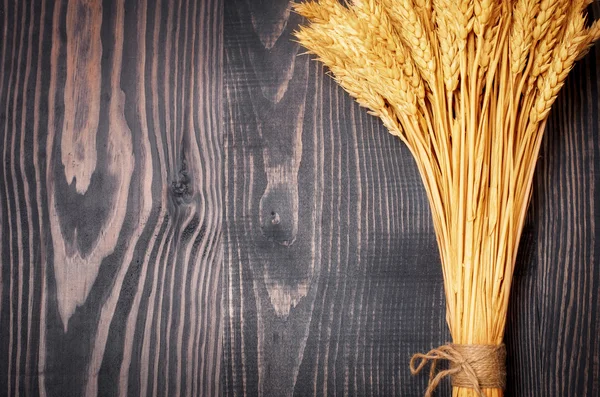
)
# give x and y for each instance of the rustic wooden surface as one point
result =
(110, 197)
(332, 278)
(130, 131)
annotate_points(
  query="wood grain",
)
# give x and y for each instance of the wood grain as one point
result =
(324, 215)
(553, 325)
(111, 199)
(114, 192)
(339, 307)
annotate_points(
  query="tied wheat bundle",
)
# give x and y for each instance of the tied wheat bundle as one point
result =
(467, 85)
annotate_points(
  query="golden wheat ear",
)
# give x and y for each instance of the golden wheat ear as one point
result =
(593, 35)
(312, 11)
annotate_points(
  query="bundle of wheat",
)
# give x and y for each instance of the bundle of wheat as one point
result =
(467, 85)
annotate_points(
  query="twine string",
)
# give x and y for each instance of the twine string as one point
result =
(472, 366)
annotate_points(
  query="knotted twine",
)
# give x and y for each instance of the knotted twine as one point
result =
(473, 366)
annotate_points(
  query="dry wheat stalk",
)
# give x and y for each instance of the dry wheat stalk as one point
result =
(468, 86)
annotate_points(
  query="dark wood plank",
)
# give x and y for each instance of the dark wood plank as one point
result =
(110, 199)
(332, 277)
(553, 327)
(553, 330)
(333, 294)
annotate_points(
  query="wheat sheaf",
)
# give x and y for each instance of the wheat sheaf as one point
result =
(467, 85)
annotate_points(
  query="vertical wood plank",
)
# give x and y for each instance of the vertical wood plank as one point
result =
(110, 206)
(553, 328)
(325, 216)
(553, 322)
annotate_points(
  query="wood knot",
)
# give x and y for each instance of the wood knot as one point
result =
(278, 215)
(275, 219)
(181, 188)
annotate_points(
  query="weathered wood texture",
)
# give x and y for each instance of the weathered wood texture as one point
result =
(332, 277)
(111, 208)
(110, 197)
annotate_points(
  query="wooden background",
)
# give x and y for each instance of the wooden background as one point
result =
(188, 207)
(111, 198)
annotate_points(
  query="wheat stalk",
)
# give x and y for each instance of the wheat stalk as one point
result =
(468, 86)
